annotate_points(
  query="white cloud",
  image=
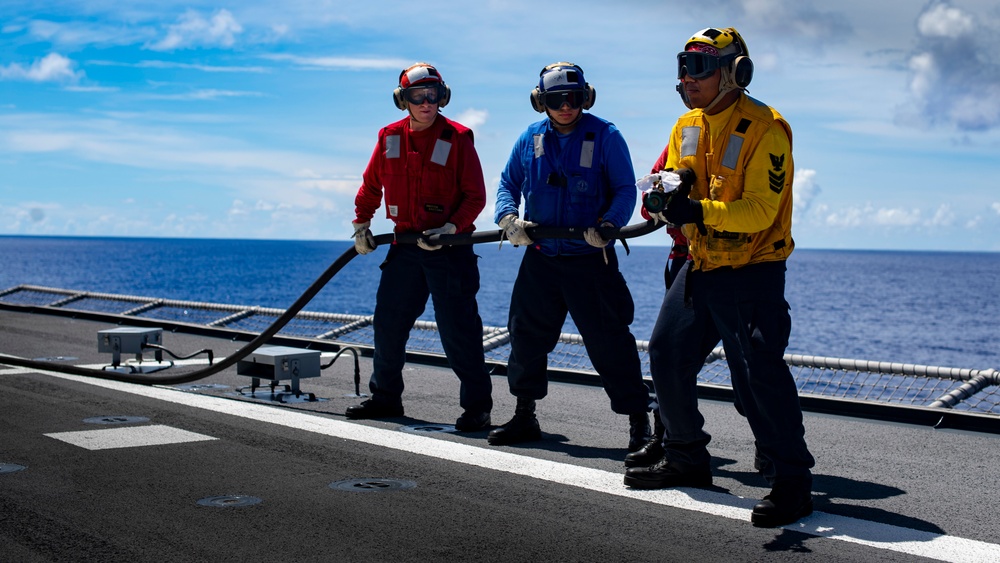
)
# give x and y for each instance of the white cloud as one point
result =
(76, 33)
(473, 118)
(943, 20)
(97, 89)
(955, 72)
(848, 217)
(896, 217)
(155, 147)
(185, 66)
(943, 217)
(870, 216)
(51, 68)
(996, 207)
(798, 19)
(925, 74)
(335, 186)
(268, 219)
(349, 63)
(239, 208)
(206, 94)
(805, 191)
(194, 30)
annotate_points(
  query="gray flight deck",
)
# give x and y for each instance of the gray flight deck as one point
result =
(96, 470)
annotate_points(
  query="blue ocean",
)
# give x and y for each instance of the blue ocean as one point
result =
(932, 308)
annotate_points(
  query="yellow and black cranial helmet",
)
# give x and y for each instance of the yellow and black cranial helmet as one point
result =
(714, 48)
(734, 57)
(727, 42)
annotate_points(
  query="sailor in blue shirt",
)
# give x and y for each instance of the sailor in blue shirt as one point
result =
(572, 169)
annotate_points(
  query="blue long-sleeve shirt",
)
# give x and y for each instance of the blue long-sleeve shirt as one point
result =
(581, 180)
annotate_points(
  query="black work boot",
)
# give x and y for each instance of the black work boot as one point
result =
(471, 421)
(652, 451)
(522, 428)
(665, 474)
(639, 431)
(373, 409)
(783, 505)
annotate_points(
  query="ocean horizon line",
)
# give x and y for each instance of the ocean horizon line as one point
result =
(631, 243)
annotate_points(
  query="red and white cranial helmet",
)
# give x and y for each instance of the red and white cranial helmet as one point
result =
(419, 74)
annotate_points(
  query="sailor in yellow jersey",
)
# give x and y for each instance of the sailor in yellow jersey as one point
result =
(734, 154)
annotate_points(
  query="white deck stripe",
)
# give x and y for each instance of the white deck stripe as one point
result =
(881, 536)
(129, 437)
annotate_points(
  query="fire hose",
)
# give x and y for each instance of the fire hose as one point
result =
(539, 232)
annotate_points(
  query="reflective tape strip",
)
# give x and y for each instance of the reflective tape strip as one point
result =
(587, 154)
(689, 141)
(733, 149)
(539, 145)
(392, 146)
(441, 150)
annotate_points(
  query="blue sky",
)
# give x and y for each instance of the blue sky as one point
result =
(253, 119)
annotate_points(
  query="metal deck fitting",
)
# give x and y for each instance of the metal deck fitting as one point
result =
(277, 363)
(129, 340)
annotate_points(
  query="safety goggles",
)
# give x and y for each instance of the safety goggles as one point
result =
(555, 100)
(417, 96)
(696, 65)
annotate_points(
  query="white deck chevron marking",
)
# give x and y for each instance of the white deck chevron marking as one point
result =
(881, 536)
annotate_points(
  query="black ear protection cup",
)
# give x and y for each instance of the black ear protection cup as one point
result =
(444, 94)
(538, 104)
(397, 98)
(536, 100)
(742, 71)
(591, 97)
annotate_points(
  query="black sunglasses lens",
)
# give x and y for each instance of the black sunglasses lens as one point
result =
(555, 100)
(696, 65)
(420, 95)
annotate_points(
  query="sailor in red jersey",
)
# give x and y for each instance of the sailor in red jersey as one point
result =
(427, 169)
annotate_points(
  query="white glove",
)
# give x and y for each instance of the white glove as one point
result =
(447, 229)
(647, 182)
(513, 229)
(594, 238)
(364, 241)
(659, 217)
(663, 180)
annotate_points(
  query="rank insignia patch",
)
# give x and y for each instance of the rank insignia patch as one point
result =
(776, 177)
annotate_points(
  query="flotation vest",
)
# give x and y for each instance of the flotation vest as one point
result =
(421, 190)
(720, 177)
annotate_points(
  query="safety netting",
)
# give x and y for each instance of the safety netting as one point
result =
(970, 390)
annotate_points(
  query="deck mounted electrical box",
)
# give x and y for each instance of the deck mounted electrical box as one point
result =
(129, 340)
(277, 363)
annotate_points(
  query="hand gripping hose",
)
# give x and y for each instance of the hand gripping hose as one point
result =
(539, 232)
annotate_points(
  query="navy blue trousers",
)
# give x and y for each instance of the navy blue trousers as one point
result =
(596, 296)
(745, 308)
(450, 276)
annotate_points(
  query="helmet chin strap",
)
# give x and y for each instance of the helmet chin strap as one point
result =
(556, 124)
(726, 85)
(722, 94)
